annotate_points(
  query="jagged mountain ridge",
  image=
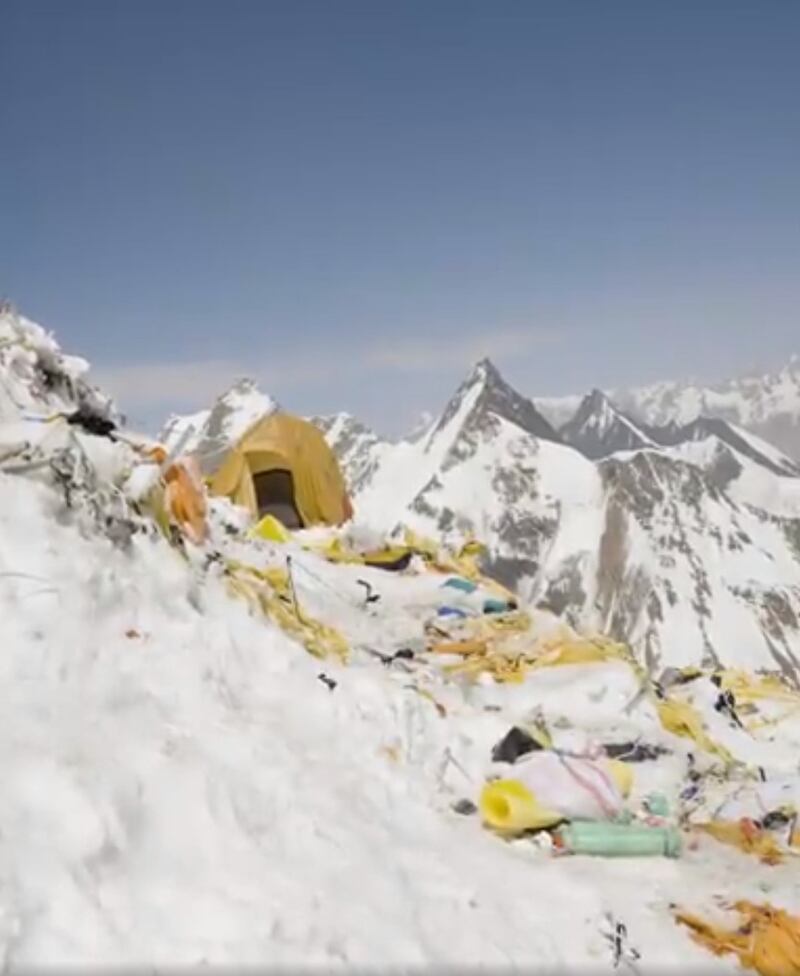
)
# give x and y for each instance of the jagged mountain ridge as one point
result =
(599, 429)
(645, 544)
(767, 404)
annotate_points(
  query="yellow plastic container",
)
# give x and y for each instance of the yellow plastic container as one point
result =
(509, 806)
(271, 529)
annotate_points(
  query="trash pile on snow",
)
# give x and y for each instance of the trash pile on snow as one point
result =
(227, 742)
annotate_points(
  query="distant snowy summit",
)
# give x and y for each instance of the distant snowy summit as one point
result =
(767, 404)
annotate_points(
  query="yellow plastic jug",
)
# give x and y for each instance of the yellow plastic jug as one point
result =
(509, 806)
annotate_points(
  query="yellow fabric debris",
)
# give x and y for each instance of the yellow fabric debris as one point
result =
(500, 646)
(752, 688)
(682, 719)
(185, 499)
(766, 940)
(269, 591)
(747, 836)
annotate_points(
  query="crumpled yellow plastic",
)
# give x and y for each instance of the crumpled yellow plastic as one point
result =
(766, 940)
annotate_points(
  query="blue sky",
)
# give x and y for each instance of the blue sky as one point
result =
(351, 201)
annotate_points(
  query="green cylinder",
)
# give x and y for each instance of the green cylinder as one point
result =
(619, 840)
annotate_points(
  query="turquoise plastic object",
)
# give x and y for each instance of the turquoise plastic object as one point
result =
(458, 583)
(601, 839)
(494, 606)
(657, 804)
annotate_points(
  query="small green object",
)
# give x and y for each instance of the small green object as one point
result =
(602, 839)
(656, 803)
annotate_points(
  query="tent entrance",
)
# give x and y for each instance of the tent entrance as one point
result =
(275, 496)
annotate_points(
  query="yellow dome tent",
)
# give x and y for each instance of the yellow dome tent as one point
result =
(283, 466)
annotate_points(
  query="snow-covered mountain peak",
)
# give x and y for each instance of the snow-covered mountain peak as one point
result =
(208, 432)
(599, 429)
(767, 404)
(483, 395)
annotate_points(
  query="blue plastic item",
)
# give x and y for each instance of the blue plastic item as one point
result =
(458, 583)
(451, 612)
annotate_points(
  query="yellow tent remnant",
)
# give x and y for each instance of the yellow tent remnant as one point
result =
(747, 836)
(751, 688)
(281, 442)
(269, 591)
(766, 940)
(682, 719)
(509, 658)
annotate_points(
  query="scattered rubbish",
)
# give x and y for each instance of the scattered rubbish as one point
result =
(390, 563)
(607, 839)
(91, 421)
(767, 939)
(271, 529)
(329, 682)
(451, 612)
(185, 500)
(270, 592)
(726, 705)
(747, 835)
(508, 806)
(634, 752)
(656, 804)
(777, 818)
(515, 743)
(682, 719)
(548, 786)
(457, 583)
(617, 937)
(369, 595)
(441, 710)
(465, 807)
